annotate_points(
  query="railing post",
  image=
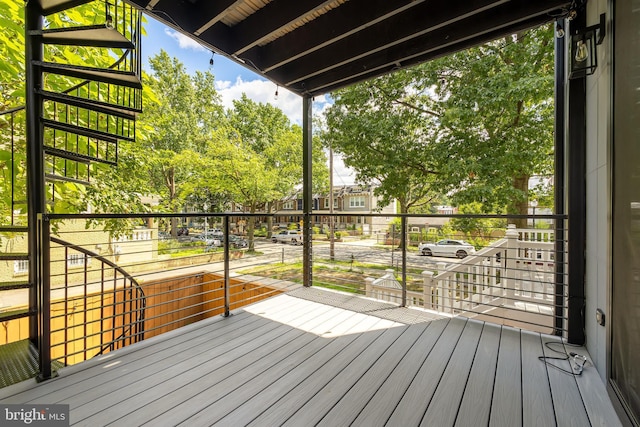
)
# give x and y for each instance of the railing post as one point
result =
(443, 294)
(368, 287)
(307, 190)
(36, 204)
(403, 242)
(427, 288)
(225, 247)
(509, 285)
(44, 303)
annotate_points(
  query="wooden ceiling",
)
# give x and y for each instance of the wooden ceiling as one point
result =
(315, 46)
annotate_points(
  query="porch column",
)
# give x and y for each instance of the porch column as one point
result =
(35, 160)
(577, 206)
(559, 178)
(307, 195)
(38, 240)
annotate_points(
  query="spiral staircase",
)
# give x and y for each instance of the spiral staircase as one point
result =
(78, 127)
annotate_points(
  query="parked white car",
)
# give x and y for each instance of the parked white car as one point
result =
(288, 236)
(447, 247)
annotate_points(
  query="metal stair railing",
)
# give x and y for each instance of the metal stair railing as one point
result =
(68, 131)
(83, 124)
(117, 321)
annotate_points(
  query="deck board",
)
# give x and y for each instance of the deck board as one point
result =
(564, 391)
(316, 357)
(506, 406)
(183, 395)
(411, 408)
(537, 408)
(214, 410)
(326, 397)
(598, 405)
(444, 405)
(275, 392)
(304, 391)
(356, 397)
(383, 403)
(475, 405)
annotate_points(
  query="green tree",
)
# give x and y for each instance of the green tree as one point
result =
(180, 124)
(235, 167)
(479, 228)
(266, 131)
(497, 115)
(12, 71)
(388, 140)
(474, 126)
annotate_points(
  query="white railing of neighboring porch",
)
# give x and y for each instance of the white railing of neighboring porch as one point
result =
(513, 278)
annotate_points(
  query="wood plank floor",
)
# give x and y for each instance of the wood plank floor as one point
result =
(316, 357)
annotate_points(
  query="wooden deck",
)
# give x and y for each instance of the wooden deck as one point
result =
(315, 357)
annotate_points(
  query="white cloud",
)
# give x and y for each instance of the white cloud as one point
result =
(184, 42)
(264, 91)
(261, 91)
(342, 175)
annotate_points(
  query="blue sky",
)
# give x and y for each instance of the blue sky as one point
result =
(232, 79)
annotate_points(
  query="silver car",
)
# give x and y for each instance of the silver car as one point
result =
(447, 247)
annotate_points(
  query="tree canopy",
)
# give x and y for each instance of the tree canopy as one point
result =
(473, 126)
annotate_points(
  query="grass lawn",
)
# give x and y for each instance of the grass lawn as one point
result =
(339, 275)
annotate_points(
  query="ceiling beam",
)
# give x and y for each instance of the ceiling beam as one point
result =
(351, 74)
(271, 19)
(415, 23)
(352, 16)
(187, 15)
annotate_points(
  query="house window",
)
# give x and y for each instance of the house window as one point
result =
(335, 203)
(21, 266)
(356, 202)
(288, 205)
(76, 260)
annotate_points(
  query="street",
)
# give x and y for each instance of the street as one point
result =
(364, 251)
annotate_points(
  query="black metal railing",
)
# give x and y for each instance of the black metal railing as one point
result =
(111, 305)
(13, 160)
(108, 292)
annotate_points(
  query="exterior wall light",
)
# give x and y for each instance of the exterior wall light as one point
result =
(583, 55)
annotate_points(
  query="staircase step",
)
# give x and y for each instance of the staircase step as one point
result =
(15, 314)
(90, 133)
(54, 177)
(89, 104)
(116, 77)
(5, 286)
(14, 229)
(54, 6)
(94, 35)
(77, 157)
(20, 363)
(8, 256)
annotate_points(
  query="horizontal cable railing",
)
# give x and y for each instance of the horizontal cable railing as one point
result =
(510, 276)
(170, 271)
